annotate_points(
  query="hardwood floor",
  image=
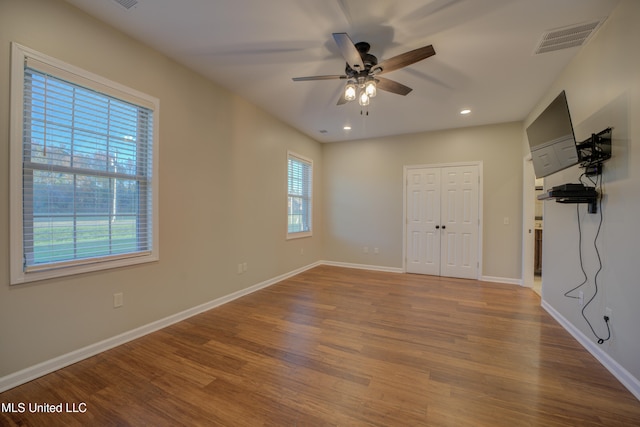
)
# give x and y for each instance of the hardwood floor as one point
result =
(335, 346)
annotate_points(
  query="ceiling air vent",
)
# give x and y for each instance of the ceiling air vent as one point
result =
(127, 3)
(564, 38)
(323, 131)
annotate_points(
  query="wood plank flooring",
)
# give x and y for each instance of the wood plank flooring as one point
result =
(335, 346)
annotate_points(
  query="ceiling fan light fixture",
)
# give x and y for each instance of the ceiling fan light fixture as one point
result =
(363, 99)
(370, 88)
(350, 91)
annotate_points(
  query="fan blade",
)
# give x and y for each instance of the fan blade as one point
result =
(404, 59)
(341, 100)
(349, 51)
(392, 86)
(329, 77)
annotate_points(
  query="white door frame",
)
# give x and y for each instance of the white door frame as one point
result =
(528, 221)
(406, 168)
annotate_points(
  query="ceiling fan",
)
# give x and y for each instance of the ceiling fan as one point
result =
(363, 70)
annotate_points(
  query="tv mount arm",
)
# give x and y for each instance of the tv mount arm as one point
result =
(593, 151)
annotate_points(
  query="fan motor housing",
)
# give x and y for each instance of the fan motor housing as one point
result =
(368, 60)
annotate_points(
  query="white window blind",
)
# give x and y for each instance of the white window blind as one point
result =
(300, 173)
(87, 166)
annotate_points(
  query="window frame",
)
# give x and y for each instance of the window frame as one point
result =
(309, 162)
(62, 70)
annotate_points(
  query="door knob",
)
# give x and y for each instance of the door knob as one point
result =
(444, 226)
(437, 227)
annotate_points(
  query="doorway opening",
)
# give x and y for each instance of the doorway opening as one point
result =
(538, 235)
(533, 228)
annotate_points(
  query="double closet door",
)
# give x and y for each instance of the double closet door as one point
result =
(442, 221)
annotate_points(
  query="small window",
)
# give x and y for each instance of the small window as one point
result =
(299, 201)
(83, 185)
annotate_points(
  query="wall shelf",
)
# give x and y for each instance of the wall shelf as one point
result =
(573, 193)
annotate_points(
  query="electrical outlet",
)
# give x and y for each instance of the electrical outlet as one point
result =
(240, 268)
(118, 300)
(376, 251)
(244, 267)
(365, 249)
(581, 298)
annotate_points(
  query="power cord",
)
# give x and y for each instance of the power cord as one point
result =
(584, 273)
(595, 278)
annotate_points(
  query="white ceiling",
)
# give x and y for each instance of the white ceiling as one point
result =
(484, 55)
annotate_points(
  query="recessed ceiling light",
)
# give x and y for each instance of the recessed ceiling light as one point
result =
(465, 111)
(347, 128)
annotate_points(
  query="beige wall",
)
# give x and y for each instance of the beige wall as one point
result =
(364, 193)
(222, 194)
(603, 89)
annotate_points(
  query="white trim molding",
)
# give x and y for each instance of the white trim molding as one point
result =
(506, 280)
(363, 266)
(25, 375)
(625, 377)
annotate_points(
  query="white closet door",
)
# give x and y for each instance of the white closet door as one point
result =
(423, 216)
(443, 221)
(459, 220)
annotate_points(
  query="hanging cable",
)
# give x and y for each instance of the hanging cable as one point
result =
(584, 273)
(595, 278)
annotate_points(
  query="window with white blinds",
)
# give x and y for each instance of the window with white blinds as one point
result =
(299, 201)
(87, 172)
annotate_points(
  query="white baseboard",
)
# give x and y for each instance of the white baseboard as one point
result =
(505, 280)
(493, 279)
(363, 266)
(46, 367)
(629, 381)
(25, 375)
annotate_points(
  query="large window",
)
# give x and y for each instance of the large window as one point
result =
(83, 176)
(299, 173)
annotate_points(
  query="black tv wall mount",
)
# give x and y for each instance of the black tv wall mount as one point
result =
(592, 152)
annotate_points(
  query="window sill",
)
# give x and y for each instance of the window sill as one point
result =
(300, 235)
(86, 267)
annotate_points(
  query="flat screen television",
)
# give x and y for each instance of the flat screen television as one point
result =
(551, 139)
